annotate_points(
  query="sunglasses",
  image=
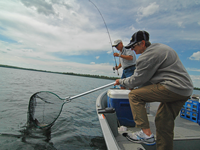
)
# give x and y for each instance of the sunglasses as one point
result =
(133, 46)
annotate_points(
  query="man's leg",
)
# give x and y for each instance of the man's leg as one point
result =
(153, 93)
(166, 114)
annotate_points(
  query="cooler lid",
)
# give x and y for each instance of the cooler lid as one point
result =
(118, 93)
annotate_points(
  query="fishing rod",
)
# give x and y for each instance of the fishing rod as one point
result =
(107, 32)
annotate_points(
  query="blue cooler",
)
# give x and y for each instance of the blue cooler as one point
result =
(118, 99)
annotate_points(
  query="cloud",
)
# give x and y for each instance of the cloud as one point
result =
(195, 56)
(195, 80)
(97, 57)
(132, 28)
(147, 11)
(50, 34)
(193, 69)
(40, 5)
(180, 24)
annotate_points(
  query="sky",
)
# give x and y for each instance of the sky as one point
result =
(73, 36)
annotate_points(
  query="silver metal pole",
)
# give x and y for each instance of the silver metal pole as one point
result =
(96, 89)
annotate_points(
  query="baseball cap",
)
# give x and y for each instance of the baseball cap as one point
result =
(137, 37)
(116, 42)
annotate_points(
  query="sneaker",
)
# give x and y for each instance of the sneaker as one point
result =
(140, 137)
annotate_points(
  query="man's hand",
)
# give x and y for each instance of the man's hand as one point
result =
(117, 82)
(116, 54)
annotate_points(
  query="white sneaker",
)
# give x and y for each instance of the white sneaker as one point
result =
(140, 137)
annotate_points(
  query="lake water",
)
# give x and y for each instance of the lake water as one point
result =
(77, 128)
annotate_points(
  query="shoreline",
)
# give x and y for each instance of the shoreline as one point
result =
(65, 73)
(69, 73)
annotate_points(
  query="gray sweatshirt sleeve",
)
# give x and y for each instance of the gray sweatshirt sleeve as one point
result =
(145, 69)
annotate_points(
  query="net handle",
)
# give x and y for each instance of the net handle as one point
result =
(85, 93)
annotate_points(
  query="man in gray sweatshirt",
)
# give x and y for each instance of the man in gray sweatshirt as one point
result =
(170, 84)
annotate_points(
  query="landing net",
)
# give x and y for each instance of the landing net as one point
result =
(44, 108)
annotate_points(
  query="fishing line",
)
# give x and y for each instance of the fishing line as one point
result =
(107, 32)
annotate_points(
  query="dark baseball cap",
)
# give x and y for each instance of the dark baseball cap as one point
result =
(137, 37)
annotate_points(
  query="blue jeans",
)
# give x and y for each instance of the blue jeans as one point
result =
(128, 72)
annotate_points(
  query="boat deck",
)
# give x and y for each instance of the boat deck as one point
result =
(185, 131)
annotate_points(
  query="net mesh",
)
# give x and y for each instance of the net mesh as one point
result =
(44, 108)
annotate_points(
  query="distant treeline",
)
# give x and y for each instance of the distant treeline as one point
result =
(91, 76)
(66, 73)
(70, 73)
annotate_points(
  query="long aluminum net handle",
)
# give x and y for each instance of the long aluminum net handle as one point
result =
(85, 93)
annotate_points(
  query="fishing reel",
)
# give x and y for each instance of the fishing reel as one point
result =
(114, 69)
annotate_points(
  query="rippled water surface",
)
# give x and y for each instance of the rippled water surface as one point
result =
(76, 128)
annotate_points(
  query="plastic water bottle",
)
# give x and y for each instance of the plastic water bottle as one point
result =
(116, 87)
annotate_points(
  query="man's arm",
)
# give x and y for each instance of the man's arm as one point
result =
(127, 57)
(117, 67)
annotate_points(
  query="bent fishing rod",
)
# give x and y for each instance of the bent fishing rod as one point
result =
(107, 32)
